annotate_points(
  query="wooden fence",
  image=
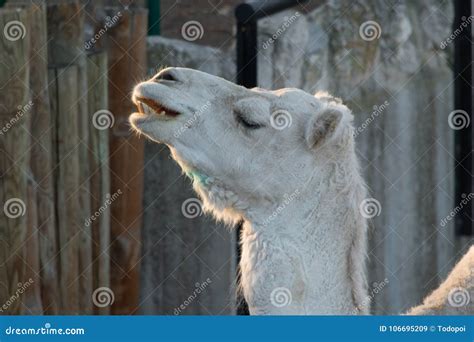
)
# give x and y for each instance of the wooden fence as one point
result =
(67, 154)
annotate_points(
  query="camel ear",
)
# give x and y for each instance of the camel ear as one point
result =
(323, 127)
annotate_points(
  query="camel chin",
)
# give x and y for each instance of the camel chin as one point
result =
(282, 161)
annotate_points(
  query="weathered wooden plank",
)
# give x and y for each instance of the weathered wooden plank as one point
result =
(14, 53)
(66, 46)
(63, 92)
(65, 32)
(100, 176)
(14, 141)
(41, 154)
(127, 54)
(31, 299)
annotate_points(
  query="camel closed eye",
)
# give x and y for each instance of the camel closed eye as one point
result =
(246, 122)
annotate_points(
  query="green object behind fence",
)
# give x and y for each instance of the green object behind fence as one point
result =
(153, 17)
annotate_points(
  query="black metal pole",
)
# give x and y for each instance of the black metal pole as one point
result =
(463, 102)
(247, 53)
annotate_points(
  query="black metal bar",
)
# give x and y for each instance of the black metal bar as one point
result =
(258, 9)
(247, 54)
(247, 15)
(463, 102)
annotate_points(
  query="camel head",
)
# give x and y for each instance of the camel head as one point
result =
(242, 147)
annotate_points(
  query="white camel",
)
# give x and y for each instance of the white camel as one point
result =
(283, 162)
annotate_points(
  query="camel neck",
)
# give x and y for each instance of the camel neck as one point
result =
(306, 256)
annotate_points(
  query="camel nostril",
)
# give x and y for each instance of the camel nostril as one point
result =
(165, 76)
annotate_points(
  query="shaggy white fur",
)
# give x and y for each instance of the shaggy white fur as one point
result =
(284, 162)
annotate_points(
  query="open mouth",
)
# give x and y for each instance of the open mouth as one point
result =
(151, 107)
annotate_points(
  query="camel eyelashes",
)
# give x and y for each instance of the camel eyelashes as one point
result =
(245, 122)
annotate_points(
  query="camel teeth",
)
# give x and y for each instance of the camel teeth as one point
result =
(146, 109)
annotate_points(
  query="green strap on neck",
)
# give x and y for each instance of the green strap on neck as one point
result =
(197, 177)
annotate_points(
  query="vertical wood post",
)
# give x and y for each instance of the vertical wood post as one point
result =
(14, 142)
(41, 154)
(66, 47)
(32, 304)
(63, 92)
(127, 65)
(101, 199)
